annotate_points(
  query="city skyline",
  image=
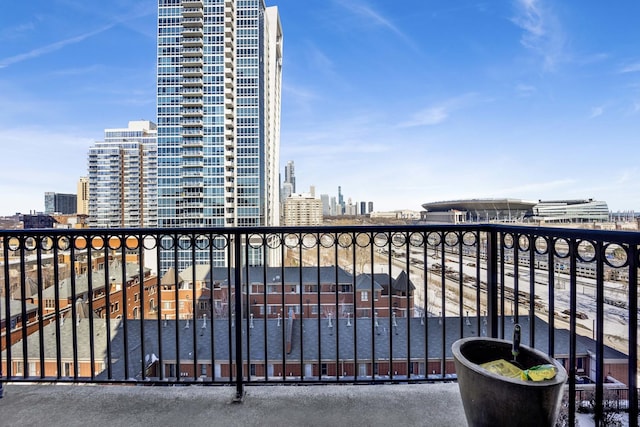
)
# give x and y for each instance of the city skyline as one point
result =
(399, 105)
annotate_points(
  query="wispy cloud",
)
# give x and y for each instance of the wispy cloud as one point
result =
(630, 68)
(596, 112)
(367, 12)
(51, 47)
(525, 90)
(440, 112)
(542, 32)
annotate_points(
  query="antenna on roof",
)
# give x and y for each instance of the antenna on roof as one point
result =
(61, 319)
(204, 321)
(422, 318)
(278, 319)
(348, 319)
(165, 321)
(330, 323)
(187, 325)
(440, 318)
(251, 320)
(468, 322)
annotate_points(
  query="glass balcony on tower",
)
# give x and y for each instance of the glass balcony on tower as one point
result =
(192, 12)
(192, 52)
(192, 22)
(188, 4)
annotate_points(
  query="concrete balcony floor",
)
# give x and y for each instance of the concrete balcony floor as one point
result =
(325, 405)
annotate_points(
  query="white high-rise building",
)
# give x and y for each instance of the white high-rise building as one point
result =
(219, 83)
(123, 177)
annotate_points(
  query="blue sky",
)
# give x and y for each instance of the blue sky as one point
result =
(399, 102)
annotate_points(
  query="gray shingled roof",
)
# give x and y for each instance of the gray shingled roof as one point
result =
(97, 281)
(15, 307)
(347, 339)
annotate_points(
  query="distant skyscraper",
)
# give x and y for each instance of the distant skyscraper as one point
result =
(83, 196)
(60, 203)
(326, 207)
(219, 83)
(370, 207)
(363, 208)
(290, 175)
(123, 177)
(341, 206)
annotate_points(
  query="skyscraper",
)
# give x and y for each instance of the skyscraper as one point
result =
(219, 77)
(59, 203)
(290, 175)
(83, 196)
(123, 177)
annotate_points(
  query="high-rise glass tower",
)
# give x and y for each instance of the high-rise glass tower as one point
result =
(123, 186)
(219, 84)
(290, 175)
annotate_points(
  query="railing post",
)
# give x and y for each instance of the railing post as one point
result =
(237, 275)
(492, 282)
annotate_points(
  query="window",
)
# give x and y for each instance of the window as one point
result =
(203, 370)
(364, 296)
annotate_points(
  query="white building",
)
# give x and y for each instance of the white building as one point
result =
(302, 209)
(123, 177)
(218, 96)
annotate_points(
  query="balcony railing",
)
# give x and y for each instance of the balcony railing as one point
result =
(310, 305)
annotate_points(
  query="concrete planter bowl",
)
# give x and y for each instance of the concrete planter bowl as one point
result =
(491, 399)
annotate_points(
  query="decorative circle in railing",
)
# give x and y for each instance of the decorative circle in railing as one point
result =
(398, 239)
(149, 242)
(561, 247)
(381, 239)
(363, 240)
(96, 243)
(434, 239)
(345, 240)
(14, 244)
(327, 240)
(114, 242)
(46, 243)
(273, 241)
(469, 238)
(202, 241)
(80, 243)
(586, 251)
(255, 241)
(417, 239)
(167, 242)
(131, 242)
(291, 240)
(524, 243)
(615, 255)
(220, 241)
(64, 243)
(184, 242)
(30, 243)
(309, 241)
(451, 239)
(507, 241)
(540, 245)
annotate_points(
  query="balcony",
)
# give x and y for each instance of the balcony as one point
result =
(363, 405)
(374, 306)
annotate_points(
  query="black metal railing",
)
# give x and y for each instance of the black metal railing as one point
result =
(307, 305)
